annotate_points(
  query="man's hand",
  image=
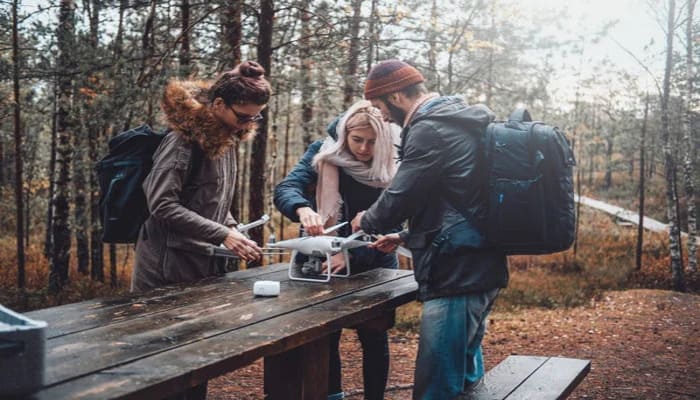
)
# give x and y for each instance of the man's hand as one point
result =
(357, 221)
(387, 243)
(310, 220)
(242, 246)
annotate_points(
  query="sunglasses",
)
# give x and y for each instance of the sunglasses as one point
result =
(245, 118)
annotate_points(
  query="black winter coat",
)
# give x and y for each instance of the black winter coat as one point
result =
(441, 178)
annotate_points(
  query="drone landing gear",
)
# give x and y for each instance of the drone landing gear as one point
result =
(312, 270)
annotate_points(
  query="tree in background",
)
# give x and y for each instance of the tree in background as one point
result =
(669, 162)
(19, 181)
(688, 167)
(65, 126)
(256, 207)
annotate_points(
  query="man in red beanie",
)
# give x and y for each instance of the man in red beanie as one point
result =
(440, 188)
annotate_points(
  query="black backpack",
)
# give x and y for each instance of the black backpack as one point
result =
(120, 174)
(530, 186)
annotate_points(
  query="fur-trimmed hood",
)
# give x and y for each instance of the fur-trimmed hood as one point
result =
(186, 113)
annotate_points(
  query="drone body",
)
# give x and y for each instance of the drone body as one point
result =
(317, 247)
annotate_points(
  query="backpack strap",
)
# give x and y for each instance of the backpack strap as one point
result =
(196, 161)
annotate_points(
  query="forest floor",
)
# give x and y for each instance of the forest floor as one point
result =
(643, 344)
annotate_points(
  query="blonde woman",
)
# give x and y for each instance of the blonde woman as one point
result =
(335, 179)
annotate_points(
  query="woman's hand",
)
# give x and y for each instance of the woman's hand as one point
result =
(337, 263)
(310, 220)
(387, 243)
(242, 246)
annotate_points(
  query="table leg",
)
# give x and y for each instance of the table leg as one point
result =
(298, 374)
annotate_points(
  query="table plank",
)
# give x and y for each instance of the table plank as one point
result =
(100, 348)
(77, 317)
(170, 372)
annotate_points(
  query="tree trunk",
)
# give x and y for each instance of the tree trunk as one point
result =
(19, 180)
(119, 38)
(669, 163)
(285, 163)
(79, 193)
(608, 163)
(48, 244)
(432, 76)
(307, 90)
(688, 167)
(244, 167)
(95, 136)
(256, 205)
(371, 33)
(112, 260)
(640, 224)
(231, 18)
(489, 79)
(574, 147)
(96, 245)
(60, 256)
(353, 55)
(185, 67)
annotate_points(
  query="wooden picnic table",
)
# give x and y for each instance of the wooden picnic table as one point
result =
(159, 343)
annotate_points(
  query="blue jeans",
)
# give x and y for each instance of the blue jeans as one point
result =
(449, 348)
(375, 344)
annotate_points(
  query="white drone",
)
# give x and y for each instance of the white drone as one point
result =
(316, 248)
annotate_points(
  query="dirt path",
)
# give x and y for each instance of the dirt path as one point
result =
(644, 344)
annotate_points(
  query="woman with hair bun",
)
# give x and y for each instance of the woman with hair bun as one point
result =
(191, 185)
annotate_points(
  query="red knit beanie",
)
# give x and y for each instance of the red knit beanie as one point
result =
(390, 76)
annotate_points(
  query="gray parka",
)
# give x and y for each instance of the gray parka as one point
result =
(440, 180)
(189, 206)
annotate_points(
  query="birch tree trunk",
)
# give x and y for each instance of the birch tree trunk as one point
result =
(19, 180)
(669, 163)
(640, 224)
(688, 168)
(60, 257)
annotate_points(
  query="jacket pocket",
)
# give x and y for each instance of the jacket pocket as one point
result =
(457, 238)
(419, 244)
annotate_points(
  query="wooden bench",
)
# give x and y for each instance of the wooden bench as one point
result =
(163, 342)
(531, 377)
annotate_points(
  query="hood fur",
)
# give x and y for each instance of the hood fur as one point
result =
(190, 117)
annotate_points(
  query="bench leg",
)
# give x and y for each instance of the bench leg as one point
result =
(298, 374)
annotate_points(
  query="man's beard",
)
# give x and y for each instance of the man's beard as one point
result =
(397, 115)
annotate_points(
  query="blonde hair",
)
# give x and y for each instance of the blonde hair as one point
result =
(360, 115)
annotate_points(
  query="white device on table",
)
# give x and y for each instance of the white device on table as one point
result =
(266, 288)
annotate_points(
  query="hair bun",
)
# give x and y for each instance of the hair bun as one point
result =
(251, 69)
